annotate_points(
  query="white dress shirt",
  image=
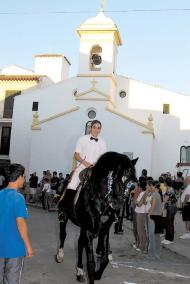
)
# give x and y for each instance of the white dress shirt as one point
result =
(90, 151)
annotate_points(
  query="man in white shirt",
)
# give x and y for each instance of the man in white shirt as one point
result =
(88, 149)
(185, 199)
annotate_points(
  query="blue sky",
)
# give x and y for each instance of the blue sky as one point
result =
(156, 45)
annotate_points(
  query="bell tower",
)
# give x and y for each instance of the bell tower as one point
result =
(99, 41)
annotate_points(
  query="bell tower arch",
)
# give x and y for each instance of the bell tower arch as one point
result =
(99, 41)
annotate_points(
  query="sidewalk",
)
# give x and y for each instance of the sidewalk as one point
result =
(180, 246)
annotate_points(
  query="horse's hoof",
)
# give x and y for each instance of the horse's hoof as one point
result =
(80, 275)
(60, 256)
(110, 257)
(81, 278)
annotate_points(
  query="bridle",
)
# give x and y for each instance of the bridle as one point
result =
(110, 180)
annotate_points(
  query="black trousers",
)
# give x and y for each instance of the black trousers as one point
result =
(169, 225)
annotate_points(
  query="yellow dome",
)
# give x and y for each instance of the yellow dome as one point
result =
(100, 23)
(99, 19)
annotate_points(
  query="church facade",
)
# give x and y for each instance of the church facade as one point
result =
(138, 119)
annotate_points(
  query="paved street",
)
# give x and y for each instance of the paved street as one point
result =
(128, 266)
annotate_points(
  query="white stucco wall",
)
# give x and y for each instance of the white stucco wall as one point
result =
(60, 136)
(37, 149)
(171, 130)
(55, 67)
(51, 100)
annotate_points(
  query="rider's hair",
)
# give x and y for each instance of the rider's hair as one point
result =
(95, 122)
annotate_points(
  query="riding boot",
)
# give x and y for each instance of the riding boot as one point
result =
(66, 204)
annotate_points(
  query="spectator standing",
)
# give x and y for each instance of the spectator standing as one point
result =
(48, 175)
(135, 194)
(14, 239)
(163, 186)
(142, 207)
(2, 179)
(155, 227)
(33, 187)
(144, 174)
(185, 199)
(46, 194)
(170, 204)
(54, 183)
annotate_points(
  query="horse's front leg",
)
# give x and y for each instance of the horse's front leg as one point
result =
(104, 247)
(103, 260)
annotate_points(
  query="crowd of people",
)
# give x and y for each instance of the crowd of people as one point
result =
(46, 189)
(151, 205)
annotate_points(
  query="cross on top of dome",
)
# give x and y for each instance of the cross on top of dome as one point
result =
(102, 4)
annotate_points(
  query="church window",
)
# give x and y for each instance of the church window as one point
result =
(9, 102)
(185, 154)
(122, 94)
(166, 108)
(95, 58)
(35, 106)
(91, 114)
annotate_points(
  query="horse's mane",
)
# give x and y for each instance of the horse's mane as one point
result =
(109, 162)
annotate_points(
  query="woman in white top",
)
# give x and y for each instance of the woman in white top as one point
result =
(46, 193)
(155, 224)
(141, 210)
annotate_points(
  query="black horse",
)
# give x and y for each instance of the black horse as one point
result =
(93, 208)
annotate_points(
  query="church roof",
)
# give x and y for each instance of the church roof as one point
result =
(100, 23)
(14, 69)
(20, 77)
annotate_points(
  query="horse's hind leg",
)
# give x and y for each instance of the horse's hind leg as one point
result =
(80, 272)
(104, 247)
(62, 235)
(64, 211)
(90, 258)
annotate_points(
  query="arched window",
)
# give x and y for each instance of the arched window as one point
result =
(185, 154)
(95, 58)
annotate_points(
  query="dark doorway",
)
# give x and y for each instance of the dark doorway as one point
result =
(9, 103)
(5, 140)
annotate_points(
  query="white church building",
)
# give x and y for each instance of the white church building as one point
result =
(138, 119)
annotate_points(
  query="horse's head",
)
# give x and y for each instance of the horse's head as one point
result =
(119, 164)
(113, 170)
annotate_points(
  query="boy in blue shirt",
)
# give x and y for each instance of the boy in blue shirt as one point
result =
(14, 239)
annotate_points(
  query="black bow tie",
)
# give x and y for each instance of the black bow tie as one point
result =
(92, 138)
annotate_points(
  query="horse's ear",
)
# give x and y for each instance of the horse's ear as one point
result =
(134, 161)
